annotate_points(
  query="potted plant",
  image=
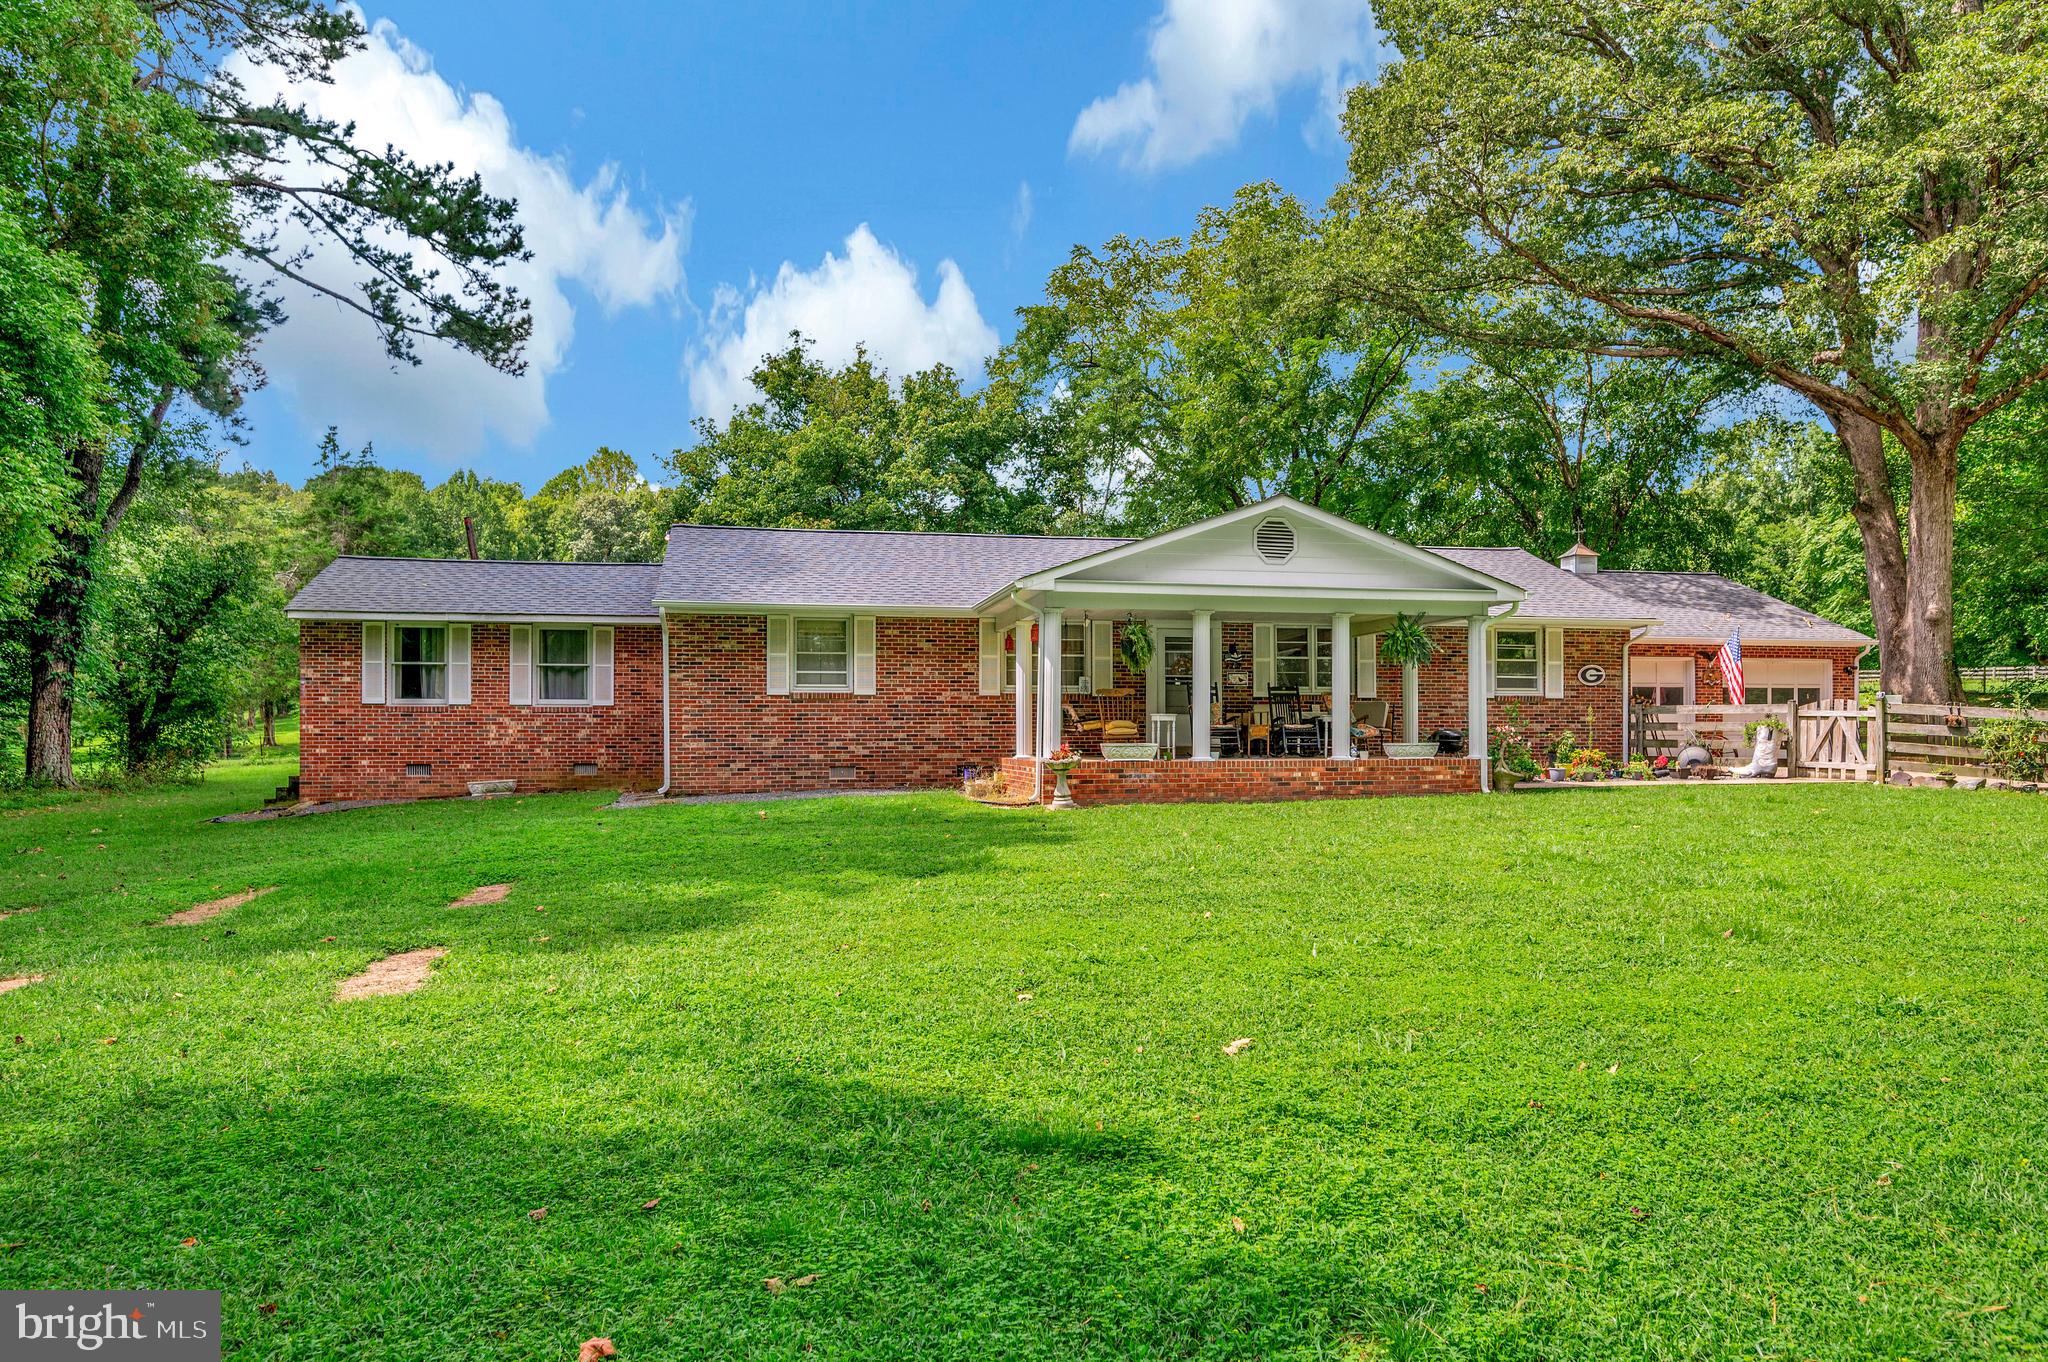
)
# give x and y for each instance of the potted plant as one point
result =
(1638, 769)
(1561, 750)
(1136, 645)
(1661, 767)
(1060, 763)
(1406, 643)
(1512, 760)
(1587, 764)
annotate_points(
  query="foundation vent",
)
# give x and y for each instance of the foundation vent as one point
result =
(419, 768)
(1274, 540)
(845, 773)
(583, 768)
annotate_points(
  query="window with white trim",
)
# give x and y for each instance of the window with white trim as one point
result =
(821, 654)
(1518, 662)
(419, 663)
(1301, 658)
(1782, 680)
(562, 659)
(1660, 680)
(1073, 654)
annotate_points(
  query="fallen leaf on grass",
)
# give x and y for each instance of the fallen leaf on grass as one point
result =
(1236, 1225)
(1238, 1046)
(776, 1286)
(1638, 1212)
(808, 1279)
(187, 1243)
(538, 1215)
(650, 1204)
(1024, 997)
(1615, 1067)
(595, 1348)
(1730, 932)
(267, 1308)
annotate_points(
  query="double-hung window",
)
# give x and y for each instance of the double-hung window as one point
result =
(1517, 662)
(823, 654)
(564, 665)
(1073, 653)
(1301, 658)
(420, 662)
(1781, 680)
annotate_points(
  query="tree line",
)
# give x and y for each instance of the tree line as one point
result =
(1588, 275)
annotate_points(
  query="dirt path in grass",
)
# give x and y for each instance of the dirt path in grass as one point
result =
(19, 981)
(401, 973)
(486, 893)
(213, 908)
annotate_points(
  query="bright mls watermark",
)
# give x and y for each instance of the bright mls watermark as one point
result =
(159, 1326)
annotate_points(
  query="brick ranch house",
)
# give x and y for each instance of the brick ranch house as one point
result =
(753, 660)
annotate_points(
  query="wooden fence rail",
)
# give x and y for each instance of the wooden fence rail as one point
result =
(1838, 741)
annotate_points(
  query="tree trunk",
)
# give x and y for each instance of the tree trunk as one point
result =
(270, 723)
(49, 716)
(1876, 511)
(1928, 673)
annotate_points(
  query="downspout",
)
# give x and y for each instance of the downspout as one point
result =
(664, 706)
(1626, 703)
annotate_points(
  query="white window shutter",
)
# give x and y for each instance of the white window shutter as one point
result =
(458, 664)
(520, 665)
(1368, 670)
(778, 654)
(600, 665)
(1101, 656)
(991, 672)
(1553, 664)
(863, 654)
(1262, 659)
(373, 663)
(1216, 656)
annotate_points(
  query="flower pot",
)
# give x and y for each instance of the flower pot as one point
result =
(1062, 797)
(1554, 773)
(1411, 751)
(1504, 779)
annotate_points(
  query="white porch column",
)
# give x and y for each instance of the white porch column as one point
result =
(1343, 662)
(1476, 728)
(1021, 679)
(1409, 702)
(1198, 715)
(1048, 682)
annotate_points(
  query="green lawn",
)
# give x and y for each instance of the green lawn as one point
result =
(1672, 1073)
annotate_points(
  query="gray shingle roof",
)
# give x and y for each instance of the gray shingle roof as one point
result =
(1553, 592)
(728, 565)
(457, 586)
(1705, 605)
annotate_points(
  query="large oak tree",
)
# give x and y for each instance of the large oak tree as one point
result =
(1846, 196)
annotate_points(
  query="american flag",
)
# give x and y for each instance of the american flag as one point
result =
(1730, 658)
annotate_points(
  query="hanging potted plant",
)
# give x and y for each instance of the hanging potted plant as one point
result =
(1407, 644)
(1136, 647)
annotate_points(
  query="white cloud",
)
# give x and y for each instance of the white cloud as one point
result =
(868, 296)
(1021, 211)
(328, 360)
(1214, 64)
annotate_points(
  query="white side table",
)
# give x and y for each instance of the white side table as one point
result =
(1163, 729)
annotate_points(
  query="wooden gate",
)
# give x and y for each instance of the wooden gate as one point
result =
(1831, 742)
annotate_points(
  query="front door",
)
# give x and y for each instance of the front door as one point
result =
(1177, 682)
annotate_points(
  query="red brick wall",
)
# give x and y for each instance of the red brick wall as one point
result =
(925, 720)
(1253, 780)
(350, 750)
(1706, 674)
(1440, 693)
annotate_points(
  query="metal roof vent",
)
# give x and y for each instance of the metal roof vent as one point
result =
(1274, 540)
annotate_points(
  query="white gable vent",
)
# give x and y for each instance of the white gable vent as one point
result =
(1274, 540)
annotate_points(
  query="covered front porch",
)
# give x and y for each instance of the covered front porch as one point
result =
(1264, 679)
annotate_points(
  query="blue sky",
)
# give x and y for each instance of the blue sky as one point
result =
(686, 170)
